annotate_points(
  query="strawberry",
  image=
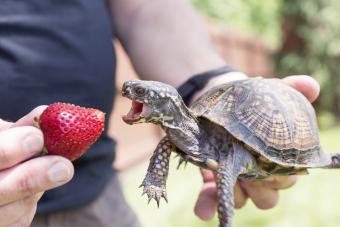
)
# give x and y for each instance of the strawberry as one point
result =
(69, 130)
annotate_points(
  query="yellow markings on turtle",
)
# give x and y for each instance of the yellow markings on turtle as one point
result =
(229, 89)
(264, 159)
(167, 118)
(160, 172)
(271, 140)
(162, 118)
(286, 141)
(230, 101)
(261, 128)
(213, 97)
(162, 94)
(151, 93)
(142, 120)
(211, 164)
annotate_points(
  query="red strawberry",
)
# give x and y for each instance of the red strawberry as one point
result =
(69, 130)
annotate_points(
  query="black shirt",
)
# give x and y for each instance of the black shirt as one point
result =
(60, 50)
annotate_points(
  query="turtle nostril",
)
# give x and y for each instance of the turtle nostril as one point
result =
(125, 92)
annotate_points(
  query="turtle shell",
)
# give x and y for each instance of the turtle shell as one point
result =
(271, 118)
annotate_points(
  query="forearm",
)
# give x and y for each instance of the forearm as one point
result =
(165, 39)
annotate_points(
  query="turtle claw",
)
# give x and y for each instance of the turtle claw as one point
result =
(182, 161)
(165, 197)
(143, 193)
(154, 190)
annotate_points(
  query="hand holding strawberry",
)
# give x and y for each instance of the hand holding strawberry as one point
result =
(23, 178)
(69, 130)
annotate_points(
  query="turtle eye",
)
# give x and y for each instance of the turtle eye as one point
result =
(140, 91)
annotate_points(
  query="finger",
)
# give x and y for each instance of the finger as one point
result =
(34, 176)
(13, 212)
(305, 84)
(280, 182)
(206, 204)
(31, 215)
(240, 197)
(26, 219)
(207, 175)
(27, 120)
(18, 144)
(39, 195)
(262, 196)
(5, 124)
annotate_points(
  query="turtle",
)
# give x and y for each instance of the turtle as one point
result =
(245, 129)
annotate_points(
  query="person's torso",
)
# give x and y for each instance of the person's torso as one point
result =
(58, 50)
(54, 50)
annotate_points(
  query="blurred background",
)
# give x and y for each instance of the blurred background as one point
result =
(262, 38)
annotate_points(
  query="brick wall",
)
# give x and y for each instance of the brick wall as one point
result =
(136, 143)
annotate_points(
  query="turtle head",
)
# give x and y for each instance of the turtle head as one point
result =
(152, 101)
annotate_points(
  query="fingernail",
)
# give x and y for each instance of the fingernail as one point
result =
(33, 144)
(59, 172)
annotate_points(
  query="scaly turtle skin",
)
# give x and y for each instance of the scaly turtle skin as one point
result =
(247, 129)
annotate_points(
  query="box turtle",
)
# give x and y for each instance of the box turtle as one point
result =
(246, 129)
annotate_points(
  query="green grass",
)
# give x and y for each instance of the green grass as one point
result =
(313, 202)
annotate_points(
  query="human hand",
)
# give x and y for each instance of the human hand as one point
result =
(263, 193)
(23, 181)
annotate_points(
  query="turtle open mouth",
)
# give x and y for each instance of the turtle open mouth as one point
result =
(137, 113)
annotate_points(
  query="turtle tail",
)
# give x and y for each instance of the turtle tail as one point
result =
(335, 164)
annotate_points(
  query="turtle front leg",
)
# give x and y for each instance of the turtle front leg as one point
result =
(232, 163)
(154, 182)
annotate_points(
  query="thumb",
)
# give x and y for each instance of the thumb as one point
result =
(27, 120)
(304, 84)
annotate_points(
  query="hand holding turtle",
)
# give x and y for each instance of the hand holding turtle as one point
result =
(243, 130)
(264, 193)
